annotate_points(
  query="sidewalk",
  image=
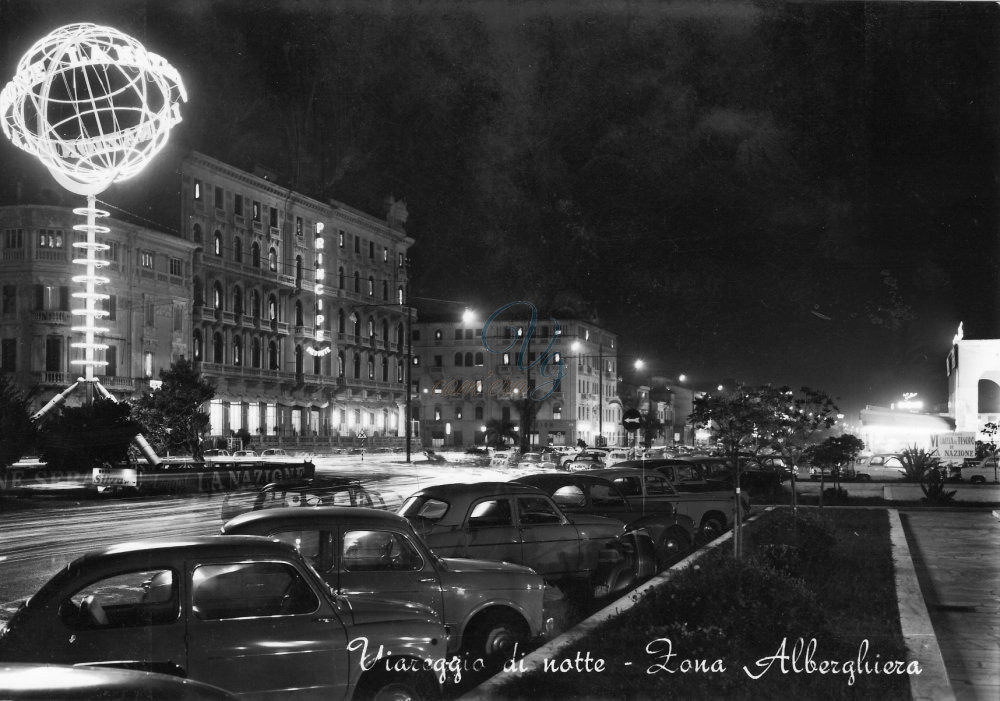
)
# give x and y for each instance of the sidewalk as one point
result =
(956, 555)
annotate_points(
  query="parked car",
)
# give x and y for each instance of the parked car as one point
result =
(274, 453)
(318, 491)
(21, 681)
(585, 460)
(245, 454)
(980, 471)
(513, 522)
(712, 511)
(585, 493)
(687, 474)
(883, 466)
(216, 453)
(246, 614)
(541, 461)
(488, 607)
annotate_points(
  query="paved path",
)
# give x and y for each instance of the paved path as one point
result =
(956, 554)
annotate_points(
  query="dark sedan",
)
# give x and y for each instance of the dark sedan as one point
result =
(580, 493)
(319, 491)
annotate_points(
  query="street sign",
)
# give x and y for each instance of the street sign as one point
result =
(631, 419)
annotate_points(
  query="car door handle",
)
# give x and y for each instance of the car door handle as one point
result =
(427, 580)
(326, 619)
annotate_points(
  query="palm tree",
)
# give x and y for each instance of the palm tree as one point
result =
(498, 431)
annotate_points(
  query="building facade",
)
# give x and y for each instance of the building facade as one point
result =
(300, 307)
(147, 313)
(464, 379)
(973, 368)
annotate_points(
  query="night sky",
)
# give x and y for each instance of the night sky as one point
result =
(801, 194)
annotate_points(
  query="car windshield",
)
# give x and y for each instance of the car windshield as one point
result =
(424, 507)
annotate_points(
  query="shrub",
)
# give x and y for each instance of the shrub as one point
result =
(835, 495)
(917, 462)
(783, 535)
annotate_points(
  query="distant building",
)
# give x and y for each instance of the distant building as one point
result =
(973, 368)
(299, 308)
(148, 318)
(463, 383)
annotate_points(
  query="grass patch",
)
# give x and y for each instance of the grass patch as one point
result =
(823, 578)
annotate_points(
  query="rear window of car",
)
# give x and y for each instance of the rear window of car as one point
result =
(124, 600)
(424, 507)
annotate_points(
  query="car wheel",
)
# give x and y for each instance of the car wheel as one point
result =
(493, 637)
(395, 687)
(864, 478)
(978, 479)
(712, 526)
(674, 543)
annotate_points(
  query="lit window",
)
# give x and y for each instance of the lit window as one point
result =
(385, 255)
(146, 259)
(197, 189)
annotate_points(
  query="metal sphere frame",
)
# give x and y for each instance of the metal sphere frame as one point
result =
(92, 104)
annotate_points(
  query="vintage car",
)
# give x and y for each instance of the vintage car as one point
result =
(274, 453)
(979, 471)
(318, 491)
(245, 454)
(540, 461)
(584, 460)
(687, 474)
(512, 522)
(584, 493)
(21, 681)
(486, 606)
(246, 614)
(712, 511)
(886, 467)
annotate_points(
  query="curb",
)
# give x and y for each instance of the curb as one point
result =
(914, 620)
(535, 659)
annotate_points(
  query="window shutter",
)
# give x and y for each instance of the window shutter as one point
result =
(63, 298)
(39, 298)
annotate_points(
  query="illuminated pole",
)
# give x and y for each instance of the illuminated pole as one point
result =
(95, 107)
(409, 377)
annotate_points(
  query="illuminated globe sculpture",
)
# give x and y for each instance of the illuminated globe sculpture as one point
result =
(95, 107)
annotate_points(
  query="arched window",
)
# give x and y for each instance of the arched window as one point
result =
(237, 350)
(371, 368)
(357, 324)
(218, 242)
(197, 346)
(218, 350)
(399, 371)
(217, 295)
(255, 353)
(371, 286)
(468, 360)
(255, 254)
(438, 335)
(340, 363)
(237, 301)
(458, 360)
(272, 260)
(989, 397)
(385, 369)
(272, 308)
(371, 329)
(196, 232)
(385, 333)
(237, 249)
(299, 367)
(298, 313)
(340, 278)
(399, 294)
(298, 271)
(357, 281)
(272, 356)
(385, 290)
(341, 321)
(479, 358)
(399, 336)
(255, 304)
(357, 366)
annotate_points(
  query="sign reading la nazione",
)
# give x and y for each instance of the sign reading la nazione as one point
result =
(954, 447)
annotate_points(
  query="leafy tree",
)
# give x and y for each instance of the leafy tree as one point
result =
(88, 436)
(650, 427)
(834, 452)
(739, 418)
(17, 431)
(988, 447)
(172, 415)
(498, 431)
